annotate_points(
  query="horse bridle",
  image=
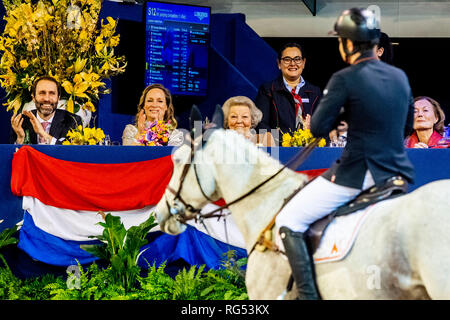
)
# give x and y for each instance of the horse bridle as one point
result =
(177, 209)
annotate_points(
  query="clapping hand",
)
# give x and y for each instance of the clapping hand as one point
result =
(141, 121)
(307, 122)
(341, 128)
(421, 145)
(37, 126)
(16, 125)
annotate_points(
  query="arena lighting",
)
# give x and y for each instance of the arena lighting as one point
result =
(311, 5)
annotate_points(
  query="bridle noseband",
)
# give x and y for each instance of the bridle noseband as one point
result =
(180, 205)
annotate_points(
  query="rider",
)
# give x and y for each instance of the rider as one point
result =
(379, 109)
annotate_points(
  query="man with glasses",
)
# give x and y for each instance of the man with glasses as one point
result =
(288, 102)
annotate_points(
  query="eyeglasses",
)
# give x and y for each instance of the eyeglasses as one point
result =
(297, 60)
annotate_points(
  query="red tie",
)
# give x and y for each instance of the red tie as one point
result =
(45, 125)
(298, 102)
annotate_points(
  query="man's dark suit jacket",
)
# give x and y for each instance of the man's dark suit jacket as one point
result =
(278, 106)
(379, 107)
(62, 122)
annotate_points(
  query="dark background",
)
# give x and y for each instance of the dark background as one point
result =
(425, 61)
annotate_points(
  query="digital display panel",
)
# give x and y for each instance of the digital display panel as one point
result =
(176, 49)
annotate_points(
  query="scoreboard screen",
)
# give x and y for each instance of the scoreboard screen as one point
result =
(176, 48)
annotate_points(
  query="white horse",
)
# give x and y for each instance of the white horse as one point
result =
(402, 250)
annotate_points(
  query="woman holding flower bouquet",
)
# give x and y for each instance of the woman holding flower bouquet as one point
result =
(155, 121)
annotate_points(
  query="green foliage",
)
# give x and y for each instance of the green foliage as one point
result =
(234, 268)
(122, 248)
(121, 280)
(6, 238)
(188, 284)
(12, 288)
(227, 283)
(157, 285)
(9, 285)
(195, 284)
(36, 288)
(94, 284)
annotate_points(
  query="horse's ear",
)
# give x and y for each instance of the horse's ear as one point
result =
(194, 117)
(218, 117)
(216, 123)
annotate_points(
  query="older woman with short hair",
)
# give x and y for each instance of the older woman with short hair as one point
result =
(242, 115)
(428, 123)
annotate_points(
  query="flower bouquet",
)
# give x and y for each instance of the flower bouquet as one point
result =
(156, 134)
(84, 136)
(300, 138)
(61, 38)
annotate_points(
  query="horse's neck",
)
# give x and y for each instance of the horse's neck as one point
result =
(254, 213)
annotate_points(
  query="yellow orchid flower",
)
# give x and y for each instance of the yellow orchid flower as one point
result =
(99, 44)
(79, 64)
(9, 79)
(286, 140)
(99, 134)
(77, 90)
(322, 142)
(27, 80)
(15, 104)
(77, 78)
(89, 106)
(70, 69)
(23, 63)
(114, 41)
(105, 67)
(69, 105)
(79, 58)
(111, 22)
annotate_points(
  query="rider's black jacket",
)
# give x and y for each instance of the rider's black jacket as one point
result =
(379, 108)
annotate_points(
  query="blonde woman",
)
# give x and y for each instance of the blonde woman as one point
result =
(155, 104)
(242, 115)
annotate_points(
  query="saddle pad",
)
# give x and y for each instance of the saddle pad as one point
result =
(340, 236)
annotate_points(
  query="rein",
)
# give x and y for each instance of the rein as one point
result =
(293, 163)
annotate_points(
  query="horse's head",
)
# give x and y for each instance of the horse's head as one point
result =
(191, 185)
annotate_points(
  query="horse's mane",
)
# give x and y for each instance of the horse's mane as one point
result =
(240, 166)
(246, 152)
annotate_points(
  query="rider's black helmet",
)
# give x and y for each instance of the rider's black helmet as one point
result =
(358, 25)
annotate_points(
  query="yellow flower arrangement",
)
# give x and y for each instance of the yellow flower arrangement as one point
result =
(84, 136)
(300, 138)
(61, 38)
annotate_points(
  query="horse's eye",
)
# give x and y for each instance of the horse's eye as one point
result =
(176, 160)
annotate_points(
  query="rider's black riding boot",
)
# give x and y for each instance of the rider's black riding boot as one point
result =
(300, 262)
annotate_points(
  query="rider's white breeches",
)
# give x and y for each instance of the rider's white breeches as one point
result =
(317, 199)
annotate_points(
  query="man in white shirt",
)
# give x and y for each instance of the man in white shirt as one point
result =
(46, 124)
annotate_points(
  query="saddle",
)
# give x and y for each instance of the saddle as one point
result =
(393, 187)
